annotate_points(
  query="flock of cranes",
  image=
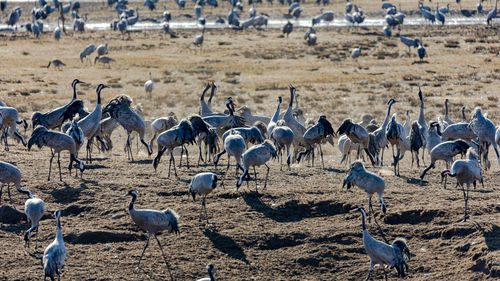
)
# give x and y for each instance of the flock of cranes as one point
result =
(252, 145)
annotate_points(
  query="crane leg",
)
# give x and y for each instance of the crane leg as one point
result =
(59, 165)
(200, 156)
(466, 198)
(205, 208)
(255, 174)
(187, 157)
(145, 247)
(1, 188)
(173, 162)
(8, 192)
(50, 164)
(267, 174)
(321, 153)
(182, 152)
(369, 271)
(164, 258)
(289, 156)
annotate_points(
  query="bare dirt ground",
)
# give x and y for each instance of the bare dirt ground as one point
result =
(300, 228)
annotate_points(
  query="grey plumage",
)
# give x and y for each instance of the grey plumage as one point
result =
(283, 137)
(256, 155)
(445, 151)
(246, 113)
(358, 135)
(250, 135)
(34, 209)
(484, 129)
(219, 122)
(467, 172)
(314, 136)
(104, 60)
(492, 14)
(55, 254)
(379, 136)
(55, 118)
(119, 109)
(408, 42)
(367, 181)
(9, 118)
(274, 119)
(184, 133)
(149, 86)
(416, 141)
(234, 145)
(9, 174)
(56, 63)
(160, 125)
(57, 142)
(90, 124)
(287, 28)
(392, 256)
(396, 136)
(203, 184)
(153, 222)
(102, 49)
(87, 51)
(292, 123)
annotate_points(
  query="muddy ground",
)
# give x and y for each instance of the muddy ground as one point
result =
(300, 227)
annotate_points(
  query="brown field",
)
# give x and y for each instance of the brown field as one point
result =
(299, 228)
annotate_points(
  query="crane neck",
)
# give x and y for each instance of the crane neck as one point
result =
(446, 108)
(202, 98)
(212, 93)
(59, 236)
(292, 94)
(228, 105)
(277, 113)
(74, 91)
(27, 192)
(131, 205)
(99, 96)
(212, 278)
(386, 120)
(463, 115)
(363, 219)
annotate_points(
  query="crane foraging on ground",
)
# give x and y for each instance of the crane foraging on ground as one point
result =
(153, 222)
(256, 155)
(368, 181)
(392, 256)
(34, 208)
(202, 184)
(467, 172)
(57, 142)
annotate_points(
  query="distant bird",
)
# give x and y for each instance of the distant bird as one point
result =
(87, 51)
(288, 28)
(198, 40)
(56, 63)
(492, 14)
(355, 53)
(102, 49)
(383, 254)
(311, 39)
(3, 5)
(149, 85)
(445, 9)
(396, 136)
(439, 16)
(479, 7)
(387, 31)
(9, 174)
(408, 42)
(104, 60)
(153, 222)
(119, 109)
(367, 181)
(467, 172)
(57, 142)
(256, 155)
(202, 184)
(421, 50)
(55, 254)
(211, 271)
(445, 151)
(57, 31)
(252, 12)
(34, 209)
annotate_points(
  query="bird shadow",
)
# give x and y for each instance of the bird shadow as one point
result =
(94, 166)
(226, 245)
(492, 238)
(293, 210)
(334, 170)
(144, 161)
(414, 181)
(420, 62)
(67, 194)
